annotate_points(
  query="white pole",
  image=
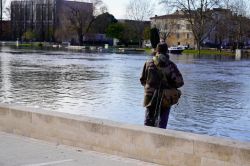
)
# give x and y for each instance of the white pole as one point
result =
(238, 54)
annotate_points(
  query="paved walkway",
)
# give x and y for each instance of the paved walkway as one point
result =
(22, 151)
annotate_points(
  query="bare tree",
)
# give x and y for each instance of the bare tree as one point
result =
(165, 30)
(222, 30)
(139, 11)
(1, 17)
(167, 6)
(199, 14)
(80, 19)
(2, 9)
(239, 7)
(62, 33)
(7, 12)
(239, 29)
(99, 7)
(17, 18)
(240, 32)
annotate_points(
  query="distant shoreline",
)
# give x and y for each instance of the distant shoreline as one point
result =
(224, 52)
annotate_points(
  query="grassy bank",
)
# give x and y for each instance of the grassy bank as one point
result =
(208, 52)
(203, 52)
(34, 44)
(148, 50)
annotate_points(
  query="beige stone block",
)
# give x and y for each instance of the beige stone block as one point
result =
(144, 143)
(4, 111)
(211, 162)
(213, 151)
(17, 114)
(241, 156)
(178, 159)
(223, 152)
(173, 143)
(4, 116)
(18, 122)
(44, 126)
(232, 164)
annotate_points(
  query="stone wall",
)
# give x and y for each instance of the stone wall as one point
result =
(149, 144)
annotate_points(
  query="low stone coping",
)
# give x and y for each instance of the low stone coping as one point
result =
(166, 147)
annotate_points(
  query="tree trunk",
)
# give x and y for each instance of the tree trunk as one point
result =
(80, 39)
(198, 47)
(140, 43)
(1, 18)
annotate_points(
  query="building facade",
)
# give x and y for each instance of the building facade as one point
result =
(174, 29)
(6, 30)
(137, 31)
(230, 29)
(225, 28)
(42, 18)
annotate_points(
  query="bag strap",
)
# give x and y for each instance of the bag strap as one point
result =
(163, 77)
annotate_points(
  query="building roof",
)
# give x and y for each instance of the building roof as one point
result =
(170, 16)
(179, 14)
(131, 21)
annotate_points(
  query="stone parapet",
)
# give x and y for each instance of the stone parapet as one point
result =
(166, 147)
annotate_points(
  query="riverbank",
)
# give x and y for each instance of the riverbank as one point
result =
(209, 52)
(148, 144)
(112, 49)
(246, 52)
(68, 47)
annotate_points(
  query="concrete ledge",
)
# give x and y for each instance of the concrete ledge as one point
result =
(144, 143)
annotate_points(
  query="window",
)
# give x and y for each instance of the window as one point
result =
(39, 12)
(166, 26)
(188, 36)
(50, 12)
(188, 26)
(178, 26)
(177, 35)
(28, 15)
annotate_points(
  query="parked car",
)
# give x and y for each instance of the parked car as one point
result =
(183, 46)
(247, 47)
(66, 43)
(148, 45)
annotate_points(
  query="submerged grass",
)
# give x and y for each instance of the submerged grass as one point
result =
(148, 50)
(209, 52)
(33, 44)
(203, 52)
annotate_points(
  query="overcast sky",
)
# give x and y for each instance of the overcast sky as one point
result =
(116, 7)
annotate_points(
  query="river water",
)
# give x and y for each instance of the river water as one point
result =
(215, 98)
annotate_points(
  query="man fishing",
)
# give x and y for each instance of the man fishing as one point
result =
(159, 74)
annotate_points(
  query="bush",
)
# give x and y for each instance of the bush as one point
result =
(29, 36)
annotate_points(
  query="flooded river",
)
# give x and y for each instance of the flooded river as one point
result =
(215, 100)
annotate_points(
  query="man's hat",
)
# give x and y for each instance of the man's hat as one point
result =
(162, 48)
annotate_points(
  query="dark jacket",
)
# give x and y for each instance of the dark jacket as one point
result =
(154, 77)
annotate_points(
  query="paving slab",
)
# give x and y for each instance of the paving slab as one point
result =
(22, 151)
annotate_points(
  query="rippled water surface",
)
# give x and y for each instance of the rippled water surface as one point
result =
(215, 100)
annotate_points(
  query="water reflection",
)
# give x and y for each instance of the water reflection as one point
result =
(215, 96)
